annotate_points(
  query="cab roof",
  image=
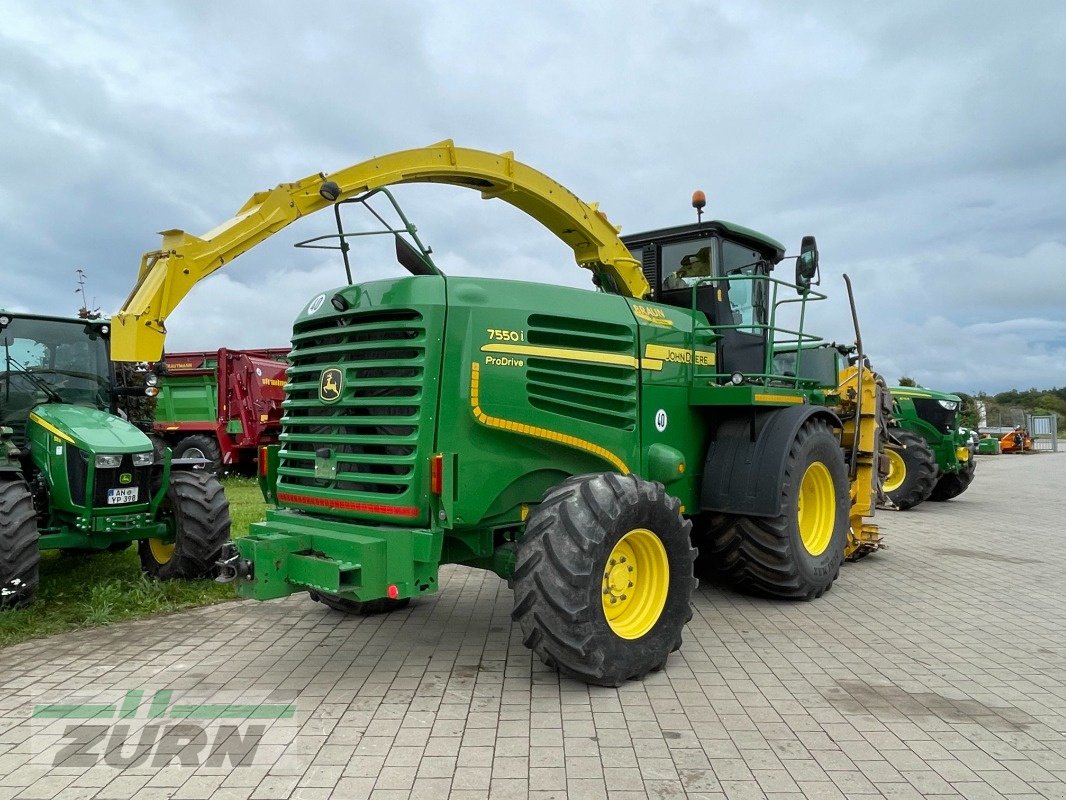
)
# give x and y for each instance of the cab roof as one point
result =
(759, 241)
(53, 317)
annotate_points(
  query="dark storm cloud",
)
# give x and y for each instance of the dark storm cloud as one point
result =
(923, 143)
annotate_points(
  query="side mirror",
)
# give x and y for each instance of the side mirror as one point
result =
(806, 265)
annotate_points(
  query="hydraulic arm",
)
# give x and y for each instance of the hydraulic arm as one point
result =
(168, 274)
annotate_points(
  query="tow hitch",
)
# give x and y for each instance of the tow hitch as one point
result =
(231, 566)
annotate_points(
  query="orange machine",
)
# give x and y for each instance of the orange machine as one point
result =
(1009, 442)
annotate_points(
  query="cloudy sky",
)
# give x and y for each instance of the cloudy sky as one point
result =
(923, 143)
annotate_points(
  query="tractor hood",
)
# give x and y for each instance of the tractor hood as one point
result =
(919, 391)
(90, 429)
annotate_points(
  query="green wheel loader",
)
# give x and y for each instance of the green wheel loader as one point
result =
(573, 442)
(76, 476)
(930, 457)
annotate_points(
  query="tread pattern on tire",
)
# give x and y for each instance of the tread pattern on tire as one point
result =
(557, 579)
(921, 470)
(952, 484)
(201, 510)
(756, 554)
(20, 553)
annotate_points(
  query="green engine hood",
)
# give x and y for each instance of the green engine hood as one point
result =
(920, 391)
(90, 429)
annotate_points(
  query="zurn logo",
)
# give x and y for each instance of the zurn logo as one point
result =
(158, 728)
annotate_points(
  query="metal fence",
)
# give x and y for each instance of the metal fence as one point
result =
(1045, 433)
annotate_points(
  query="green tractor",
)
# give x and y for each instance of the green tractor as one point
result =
(77, 477)
(930, 456)
(576, 443)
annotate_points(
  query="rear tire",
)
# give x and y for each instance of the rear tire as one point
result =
(919, 470)
(603, 578)
(198, 510)
(364, 608)
(952, 484)
(159, 446)
(796, 555)
(199, 446)
(20, 555)
(707, 568)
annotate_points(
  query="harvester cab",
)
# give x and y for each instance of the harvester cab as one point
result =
(76, 476)
(577, 443)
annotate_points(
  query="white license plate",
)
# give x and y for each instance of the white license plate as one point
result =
(117, 496)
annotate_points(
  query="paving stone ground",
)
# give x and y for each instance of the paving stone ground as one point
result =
(936, 668)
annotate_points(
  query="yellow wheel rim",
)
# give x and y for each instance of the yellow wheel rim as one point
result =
(897, 470)
(816, 509)
(636, 580)
(162, 551)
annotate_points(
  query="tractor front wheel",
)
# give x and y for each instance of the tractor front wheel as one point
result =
(911, 470)
(952, 484)
(364, 608)
(603, 578)
(19, 552)
(196, 510)
(796, 555)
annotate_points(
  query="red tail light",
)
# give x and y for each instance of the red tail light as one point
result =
(436, 474)
(262, 462)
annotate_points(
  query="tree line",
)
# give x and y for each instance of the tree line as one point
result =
(1009, 407)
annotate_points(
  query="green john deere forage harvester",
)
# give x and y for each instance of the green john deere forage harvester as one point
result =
(929, 456)
(77, 477)
(576, 443)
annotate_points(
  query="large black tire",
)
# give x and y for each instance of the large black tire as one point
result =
(952, 484)
(20, 555)
(708, 569)
(199, 446)
(158, 447)
(572, 559)
(767, 555)
(918, 465)
(365, 608)
(198, 509)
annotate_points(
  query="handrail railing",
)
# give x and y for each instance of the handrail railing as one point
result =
(769, 330)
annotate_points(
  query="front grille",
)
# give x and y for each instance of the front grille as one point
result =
(935, 414)
(77, 474)
(109, 479)
(371, 432)
(78, 478)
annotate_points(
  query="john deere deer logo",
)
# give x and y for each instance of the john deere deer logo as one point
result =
(330, 385)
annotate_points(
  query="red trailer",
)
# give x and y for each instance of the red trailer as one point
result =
(221, 405)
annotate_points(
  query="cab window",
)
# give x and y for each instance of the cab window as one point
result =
(686, 263)
(747, 297)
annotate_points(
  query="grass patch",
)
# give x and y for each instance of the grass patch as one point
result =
(87, 591)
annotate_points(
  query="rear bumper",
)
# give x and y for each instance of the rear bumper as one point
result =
(293, 552)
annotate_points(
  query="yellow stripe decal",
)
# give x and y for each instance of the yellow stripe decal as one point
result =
(777, 398)
(567, 353)
(533, 430)
(52, 429)
(678, 355)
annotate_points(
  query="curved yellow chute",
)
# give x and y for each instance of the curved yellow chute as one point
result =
(168, 274)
